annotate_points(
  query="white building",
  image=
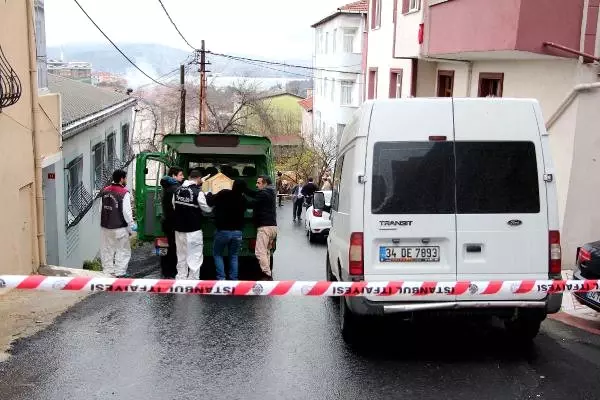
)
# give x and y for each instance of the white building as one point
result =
(468, 48)
(96, 139)
(338, 62)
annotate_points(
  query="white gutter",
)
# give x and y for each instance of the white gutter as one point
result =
(584, 87)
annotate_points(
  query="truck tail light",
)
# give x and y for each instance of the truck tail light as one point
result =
(584, 255)
(356, 254)
(317, 213)
(555, 253)
(161, 242)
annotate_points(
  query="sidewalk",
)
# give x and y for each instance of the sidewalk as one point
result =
(25, 312)
(574, 314)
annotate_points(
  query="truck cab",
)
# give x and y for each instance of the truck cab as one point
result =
(235, 155)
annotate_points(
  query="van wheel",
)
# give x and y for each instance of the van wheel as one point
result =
(524, 327)
(349, 323)
(328, 273)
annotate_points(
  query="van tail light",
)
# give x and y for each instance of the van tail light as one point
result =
(437, 138)
(317, 213)
(356, 254)
(555, 253)
(252, 244)
(584, 255)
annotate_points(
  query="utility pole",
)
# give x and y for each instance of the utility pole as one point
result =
(203, 117)
(182, 113)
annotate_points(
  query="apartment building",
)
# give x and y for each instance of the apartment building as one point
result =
(543, 49)
(30, 121)
(338, 61)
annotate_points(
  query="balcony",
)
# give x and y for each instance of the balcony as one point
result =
(506, 29)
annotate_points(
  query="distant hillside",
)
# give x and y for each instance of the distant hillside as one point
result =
(157, 60)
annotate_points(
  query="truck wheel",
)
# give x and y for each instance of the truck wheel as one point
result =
(349, 323)
(523, 328)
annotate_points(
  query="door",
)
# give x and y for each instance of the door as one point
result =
(409, 224)
(150, 168)
(502, 228)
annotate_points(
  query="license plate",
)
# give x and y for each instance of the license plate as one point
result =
(409, 254)
(594, 296)
(160, 251)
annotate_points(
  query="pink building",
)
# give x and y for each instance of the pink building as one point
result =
(542, 49)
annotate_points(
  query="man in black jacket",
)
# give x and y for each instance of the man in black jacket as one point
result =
(170, 183)
(265, 219)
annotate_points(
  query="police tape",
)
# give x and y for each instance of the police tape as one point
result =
(296, 288)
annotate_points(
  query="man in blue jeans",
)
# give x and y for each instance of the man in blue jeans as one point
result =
(229, 207)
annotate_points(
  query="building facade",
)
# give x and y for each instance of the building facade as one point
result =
(338, 62)
(29, 135)
(542, 49)
(76, 70)
(306, 130)
(97, 139)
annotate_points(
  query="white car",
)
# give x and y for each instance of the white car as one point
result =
(446, 190)
(317, 220)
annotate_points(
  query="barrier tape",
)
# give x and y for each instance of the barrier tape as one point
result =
(296, 288)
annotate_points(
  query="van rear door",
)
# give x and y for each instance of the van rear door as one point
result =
(502, 226)
(409, 215)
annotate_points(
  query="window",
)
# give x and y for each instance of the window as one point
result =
(413, 178)
(490, 84)
(445, 83)
(376, 14)
(337, 178)
(349, 35)
(334, 44)
(98, 165)
(372, 83)
(347, 93)
(125, 147)
(332, 91)
(496, 178)
(340, 129)
(395, 83)
(454, 177)
(111, 148)
(414, 5)
(326, 42)
(77, 196)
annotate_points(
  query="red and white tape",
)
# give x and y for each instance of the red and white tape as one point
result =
(297, 288)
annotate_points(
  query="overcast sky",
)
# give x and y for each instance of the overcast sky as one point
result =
(274, 29)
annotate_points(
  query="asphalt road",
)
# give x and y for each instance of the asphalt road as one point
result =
(133, 346)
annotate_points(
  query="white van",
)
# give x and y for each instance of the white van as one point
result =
(443, 190)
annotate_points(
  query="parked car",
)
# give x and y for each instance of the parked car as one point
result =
(445, 189)
(588, 267)
(317, 220)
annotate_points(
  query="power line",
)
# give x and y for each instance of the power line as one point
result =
(280, 63)
(118, 49)
(175, 25)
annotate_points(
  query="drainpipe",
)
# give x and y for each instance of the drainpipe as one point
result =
(584, 87)
(39, 256)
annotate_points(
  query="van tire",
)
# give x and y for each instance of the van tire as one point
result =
(524, 327)
(328, 272)
(349, 323)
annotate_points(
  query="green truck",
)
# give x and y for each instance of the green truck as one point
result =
(237, 156)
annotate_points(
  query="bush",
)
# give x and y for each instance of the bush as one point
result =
(93, 265)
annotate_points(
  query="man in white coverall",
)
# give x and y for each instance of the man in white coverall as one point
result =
(189, 202)
(116, 221)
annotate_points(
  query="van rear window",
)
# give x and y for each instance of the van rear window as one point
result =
(448, 177)
(413, 178)
(496, 178)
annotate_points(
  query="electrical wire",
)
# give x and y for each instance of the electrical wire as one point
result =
(175, 25)
(119, 50)
(280, 63)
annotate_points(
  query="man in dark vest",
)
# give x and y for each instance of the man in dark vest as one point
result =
(189, 202)
(170, 183)
(116, 221)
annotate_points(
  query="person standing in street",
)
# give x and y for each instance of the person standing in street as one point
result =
(265, 220)
(279, 186)
(170, 183)
(116, 221)
(297, 200)
(229, 208)
(188, 203)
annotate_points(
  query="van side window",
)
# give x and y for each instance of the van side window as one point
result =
(496, 178)
(337, 177)
(413, 178)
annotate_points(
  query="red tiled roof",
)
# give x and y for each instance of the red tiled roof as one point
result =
(307, 103)
(285, 140)
(357, 6)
